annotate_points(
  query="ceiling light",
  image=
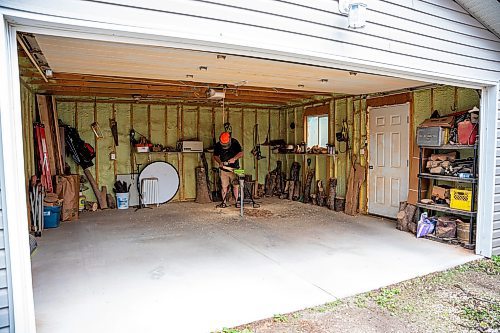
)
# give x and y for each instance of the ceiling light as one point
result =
(221, 57)
(356, 11)
(189, 76)
(203, 68)
(323, 80)
(241, 83)
(300, 85)
(353, 73)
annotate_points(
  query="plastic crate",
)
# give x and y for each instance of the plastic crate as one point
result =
(461, 199)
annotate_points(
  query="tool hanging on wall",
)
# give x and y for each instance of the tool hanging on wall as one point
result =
(256, 152)
(343, 135)
(96, 128)
(113, 125)
(228, 128)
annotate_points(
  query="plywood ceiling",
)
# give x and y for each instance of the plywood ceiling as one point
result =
(97, 58)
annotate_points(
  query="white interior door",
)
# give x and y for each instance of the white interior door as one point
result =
(389, 167)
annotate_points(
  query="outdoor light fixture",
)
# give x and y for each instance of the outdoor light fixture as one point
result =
(323, 80)
(203, 68)
(221, 57)
(189, 76)
(356, 11)
(300, 85)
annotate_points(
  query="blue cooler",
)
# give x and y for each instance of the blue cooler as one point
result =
(51, 216)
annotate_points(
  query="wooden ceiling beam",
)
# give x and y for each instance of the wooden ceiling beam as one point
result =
(159, 96)
(130, 92)
(98, 78)
(141, 88)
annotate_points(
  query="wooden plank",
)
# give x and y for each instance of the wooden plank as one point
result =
(58, 151)
(45, 120)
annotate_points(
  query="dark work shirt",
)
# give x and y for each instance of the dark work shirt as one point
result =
(226, 154)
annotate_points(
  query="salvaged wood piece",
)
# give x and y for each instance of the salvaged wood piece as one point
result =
(202, 191)
(406, 217)
(295, 171)
(111, 201)
(275, 181)
(307, 186)
(104, 197)
(297, 190)
(59, 152)
(91, 206)
(356, 178)
(102, 203)
(320, 194)
(313, 199)
(446, 227)
(207, 178)
(339, 204)
(332, 193)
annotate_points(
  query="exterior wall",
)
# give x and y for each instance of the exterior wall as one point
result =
(410, 34)
(496, 214)
(5, 297)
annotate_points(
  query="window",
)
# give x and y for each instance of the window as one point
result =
(317, 130)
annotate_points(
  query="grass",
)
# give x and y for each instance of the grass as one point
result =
(280, 318)
(386, 298)
(327, 306)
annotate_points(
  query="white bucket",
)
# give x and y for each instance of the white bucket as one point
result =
(122, 200)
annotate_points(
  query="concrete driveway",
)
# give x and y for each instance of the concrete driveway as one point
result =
(185, 267)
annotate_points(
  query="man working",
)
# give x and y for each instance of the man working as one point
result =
(227, 152)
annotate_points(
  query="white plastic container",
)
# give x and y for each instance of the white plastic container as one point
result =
(122, 200)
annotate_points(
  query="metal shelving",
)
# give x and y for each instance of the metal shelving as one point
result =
(472, 215)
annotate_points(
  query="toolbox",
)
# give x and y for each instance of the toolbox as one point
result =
(432, 136)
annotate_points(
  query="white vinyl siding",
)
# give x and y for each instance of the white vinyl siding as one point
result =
(496, 209)
(439, 38)
(4, 290)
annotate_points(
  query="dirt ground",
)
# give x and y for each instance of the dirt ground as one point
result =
(462, 299)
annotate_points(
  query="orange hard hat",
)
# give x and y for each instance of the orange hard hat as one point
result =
(225, 138)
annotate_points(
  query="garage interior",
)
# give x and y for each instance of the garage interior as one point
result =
(292, 250)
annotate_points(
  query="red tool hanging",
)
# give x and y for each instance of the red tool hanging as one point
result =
(43, 157)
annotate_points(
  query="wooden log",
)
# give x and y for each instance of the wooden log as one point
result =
(207, 179)
(111, 201)
(297, 190)
(307, 186)
(202, 191)
(332, 193)
(104, 194)
(291, 189)
(95, 188)
(91, 206)
(313, 199)
(320, 194)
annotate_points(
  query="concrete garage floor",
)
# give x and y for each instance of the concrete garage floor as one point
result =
(185, 267)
